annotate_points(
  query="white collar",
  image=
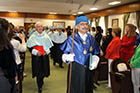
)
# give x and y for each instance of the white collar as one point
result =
(40, 34)
(83, 36)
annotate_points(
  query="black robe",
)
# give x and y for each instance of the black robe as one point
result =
(40, 65)
(56, 53)
(81, 79)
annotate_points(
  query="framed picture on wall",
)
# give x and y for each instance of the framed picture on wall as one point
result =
(115, 22)
(57, 23)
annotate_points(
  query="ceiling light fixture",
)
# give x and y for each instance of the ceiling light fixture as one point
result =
(74, 14)
(80, 12)
(52, 13)
(93, 8)
(12, 11)
(114, 2)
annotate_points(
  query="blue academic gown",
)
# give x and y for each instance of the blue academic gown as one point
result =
(138, 40)
(80, 79)
(79, 48)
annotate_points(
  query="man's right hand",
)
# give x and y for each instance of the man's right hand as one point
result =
(68, 57)
(38, 54)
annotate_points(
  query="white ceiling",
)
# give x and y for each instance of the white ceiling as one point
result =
(60, 6)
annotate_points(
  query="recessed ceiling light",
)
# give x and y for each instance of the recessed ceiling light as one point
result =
(93, 8)
(80, 12)
(74, 14)
(114, 2)
(52, 13)
(12, 11)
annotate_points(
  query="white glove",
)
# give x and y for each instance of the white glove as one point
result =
(34, 52)
(47, 51)
(67, 58)
(94, 63)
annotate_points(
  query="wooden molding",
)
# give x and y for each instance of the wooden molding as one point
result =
(133, 7)
(36, 15)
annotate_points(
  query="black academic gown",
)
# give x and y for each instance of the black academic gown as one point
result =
(81, 79)
(40, 66)
(56, 53)
(55, 50)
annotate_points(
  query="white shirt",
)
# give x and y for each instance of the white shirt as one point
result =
(83, 36)
(18, 47)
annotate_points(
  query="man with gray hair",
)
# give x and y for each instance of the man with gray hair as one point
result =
(39, 45)
(84, 49)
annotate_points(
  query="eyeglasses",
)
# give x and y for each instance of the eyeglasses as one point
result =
(82, 24)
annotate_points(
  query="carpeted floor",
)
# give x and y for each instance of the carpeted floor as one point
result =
(57, 81)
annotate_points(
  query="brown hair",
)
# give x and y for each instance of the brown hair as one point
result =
(132, 30)
(11, 33)
(4, 40)
(117, 31)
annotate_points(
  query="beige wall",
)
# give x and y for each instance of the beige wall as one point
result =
(16, 21)
(46, 22)
(49, 22)
(132, 20)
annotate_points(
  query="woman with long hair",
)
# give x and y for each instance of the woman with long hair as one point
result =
(7, 60)
(17, 47)
(98, 36)
(128, 41)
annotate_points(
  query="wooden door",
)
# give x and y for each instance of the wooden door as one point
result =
(27, 25)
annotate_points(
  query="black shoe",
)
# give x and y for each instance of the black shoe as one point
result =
(94, 87)
(61, 66)
(97, 83)
(40, 90)
(54, 63)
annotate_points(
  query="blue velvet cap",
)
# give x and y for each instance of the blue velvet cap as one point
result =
(82, 18)
(51, 27)
(60, 26)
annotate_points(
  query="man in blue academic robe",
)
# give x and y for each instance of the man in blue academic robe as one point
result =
(84, 48)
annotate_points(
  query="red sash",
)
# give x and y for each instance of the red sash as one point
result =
(40, 49)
